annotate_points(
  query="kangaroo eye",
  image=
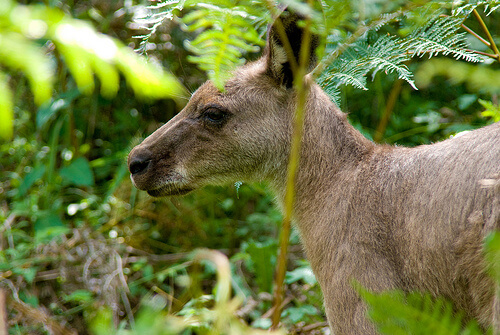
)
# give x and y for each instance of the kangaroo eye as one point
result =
(214, 115)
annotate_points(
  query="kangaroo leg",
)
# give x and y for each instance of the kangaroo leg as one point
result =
(345, 309)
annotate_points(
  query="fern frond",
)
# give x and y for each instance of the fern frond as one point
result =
(156, 15)
(464, 8)
(351, 68)
(431, 34)
(226, 30)
(414, 313)
(387, 54)
(440, 36)
(227, 34)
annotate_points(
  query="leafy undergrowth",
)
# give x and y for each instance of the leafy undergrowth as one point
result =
(82, 251)
(116, 271)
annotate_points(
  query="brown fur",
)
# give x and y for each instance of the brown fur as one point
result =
(389, 217)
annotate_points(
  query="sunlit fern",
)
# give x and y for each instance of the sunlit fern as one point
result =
(225, 32)
(464, 8)
(86, 53)
(155, 15)
(372, 52)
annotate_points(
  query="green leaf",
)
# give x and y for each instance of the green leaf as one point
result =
(423, 31)
(146, 80)
(492, 249)
(6, 109)
(108, 76)
(219, 49)
(28, 274)
(19, 53)
(87, 54)
(395, 312)
(303, 273)
(49, 109)
(491, 110)
(263, 257)
(101, 321)
(297, 314)
(78, 173)
(262, 323)
(79, 296)
(466, 7)
(28, 181)
(29, 298)
(48, 226)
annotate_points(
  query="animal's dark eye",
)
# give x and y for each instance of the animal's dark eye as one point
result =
(214, 115)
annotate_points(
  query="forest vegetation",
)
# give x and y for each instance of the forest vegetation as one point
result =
(81, 82)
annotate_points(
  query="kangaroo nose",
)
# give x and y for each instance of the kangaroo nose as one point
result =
(139, 161)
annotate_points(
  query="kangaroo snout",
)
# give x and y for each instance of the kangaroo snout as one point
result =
(139, 161)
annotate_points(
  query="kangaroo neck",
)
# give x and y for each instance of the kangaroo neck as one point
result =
(330, 149)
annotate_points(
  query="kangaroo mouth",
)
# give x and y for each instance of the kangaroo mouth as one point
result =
(173, 184)
(169, 190)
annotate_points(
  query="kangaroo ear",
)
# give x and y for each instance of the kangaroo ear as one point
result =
(278, 59)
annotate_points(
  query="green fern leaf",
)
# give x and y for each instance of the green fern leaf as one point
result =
(353, 66)
(440, 36)
(154, 17)
(397, 313)
(226, 31)
(464, 8)
(19, 53)
(431, 34)
(227, 35)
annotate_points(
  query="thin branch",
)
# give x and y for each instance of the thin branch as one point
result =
(308, 328)
(487, 32)
(476, 35)
(128, 308)
(389, 107)
(482, 53)
(270, 312)
(301, 86)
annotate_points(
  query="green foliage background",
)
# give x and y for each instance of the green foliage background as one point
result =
(82, 250)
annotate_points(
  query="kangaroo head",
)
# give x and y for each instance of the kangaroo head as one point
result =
(242, 133)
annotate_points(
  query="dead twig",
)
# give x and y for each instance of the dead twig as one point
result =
(159, 258)
(270, 312)
(313, 326)
(37, 315)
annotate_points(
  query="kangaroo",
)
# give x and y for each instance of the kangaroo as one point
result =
(388, 217)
